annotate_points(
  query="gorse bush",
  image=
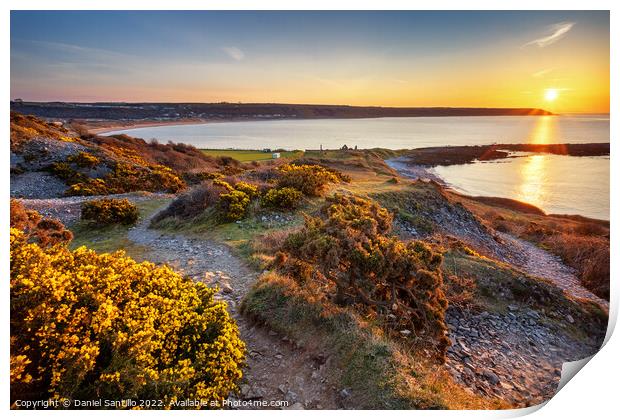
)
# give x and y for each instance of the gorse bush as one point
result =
(233, 205)
(109, 211)
(198, 177)
(251, 190)
(64, 171)
(35, 228)
(84, 160)
(311, 180)
(101, 326)
(229, 202)
(282, 198)
(126, 178)
(349, 247)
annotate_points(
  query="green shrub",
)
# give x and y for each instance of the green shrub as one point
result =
(282, 198)
(94, 326)
(109, 211)
(311, 180)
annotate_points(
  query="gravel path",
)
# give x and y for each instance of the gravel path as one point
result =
(277, 369)
(540, 263)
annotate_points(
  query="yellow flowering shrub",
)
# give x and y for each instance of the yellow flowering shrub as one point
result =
(84, 160)
(101, 326)
(285, 198)
(126, 178)
(311, 180)
(233, 205)
(250, 189)
(107, 211)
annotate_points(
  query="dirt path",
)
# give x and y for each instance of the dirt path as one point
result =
(276, 369)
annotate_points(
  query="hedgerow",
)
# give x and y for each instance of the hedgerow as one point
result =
(101, 326)
(107, 211)
(348, 247)
(282, 198)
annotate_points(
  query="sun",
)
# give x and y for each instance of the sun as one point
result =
(551, 95)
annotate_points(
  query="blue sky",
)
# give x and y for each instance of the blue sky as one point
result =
(382, 58)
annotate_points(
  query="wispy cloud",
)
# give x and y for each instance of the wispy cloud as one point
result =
(542, 73)
(554, 34)
(234, 53)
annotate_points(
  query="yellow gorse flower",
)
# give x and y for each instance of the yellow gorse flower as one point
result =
(87, 325)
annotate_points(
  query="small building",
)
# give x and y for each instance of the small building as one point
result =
(275, 155)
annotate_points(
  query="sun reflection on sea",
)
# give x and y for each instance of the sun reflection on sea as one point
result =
(532, 185)
(544, 131)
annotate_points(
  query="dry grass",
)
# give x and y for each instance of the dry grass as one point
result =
(582, 243)
(192, 203)
(588, 254)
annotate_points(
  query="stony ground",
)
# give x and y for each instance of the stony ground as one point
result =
(518, 355)
(514, 356)
(277, 368)
(36, 184)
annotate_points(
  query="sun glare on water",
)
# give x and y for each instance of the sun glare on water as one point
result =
(551, 94)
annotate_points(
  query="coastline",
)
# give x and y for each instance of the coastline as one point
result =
(102, 130)
(422, 173)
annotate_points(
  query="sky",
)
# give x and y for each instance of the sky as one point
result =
(547, 59)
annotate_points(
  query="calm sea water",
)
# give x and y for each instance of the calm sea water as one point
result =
(557, 184)
(391, 133)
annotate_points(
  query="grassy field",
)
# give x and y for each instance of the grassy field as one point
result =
(249, 155)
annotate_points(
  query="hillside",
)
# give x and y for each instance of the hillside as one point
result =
(349, 284)
(69, 161)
